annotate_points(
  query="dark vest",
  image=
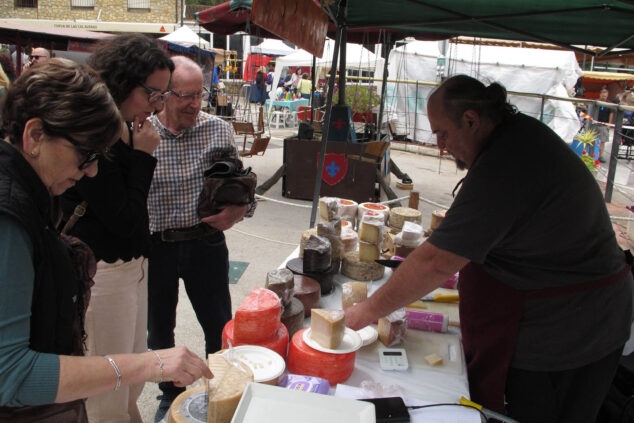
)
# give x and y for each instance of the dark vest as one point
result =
(55, 323)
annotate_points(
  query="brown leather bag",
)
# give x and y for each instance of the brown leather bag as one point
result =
(226, 183)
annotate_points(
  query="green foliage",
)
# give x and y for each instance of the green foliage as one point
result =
(360, 98)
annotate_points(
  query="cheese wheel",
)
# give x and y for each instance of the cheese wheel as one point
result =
(368, 252)
(374, 207)
(347, 209)
(346, 224)
(305, 237)
(350, 240)
(352, 293)
(280, 281)
(436, 219)
(328, 207)
(181, 408)
(304, 360)
(258, 316)
(400, 215)
(327, 327)
(411, 232)
(308, 291)
(277, 341)
(354, 268)
(325, 279)
(370, 232)
(293, 316)
(226, 387)
(332, 227)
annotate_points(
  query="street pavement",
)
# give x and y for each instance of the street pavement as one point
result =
(265, 240)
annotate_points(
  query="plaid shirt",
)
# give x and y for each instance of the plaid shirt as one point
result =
(182, 160)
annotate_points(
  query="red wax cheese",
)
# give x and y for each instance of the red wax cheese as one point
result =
(258, 317)
(304, 360)
(277, 341)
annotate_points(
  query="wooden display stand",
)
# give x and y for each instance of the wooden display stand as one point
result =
(301, 163)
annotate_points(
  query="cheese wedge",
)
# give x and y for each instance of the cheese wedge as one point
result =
(327, 327)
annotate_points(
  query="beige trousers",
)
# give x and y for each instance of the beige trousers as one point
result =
(116, 323)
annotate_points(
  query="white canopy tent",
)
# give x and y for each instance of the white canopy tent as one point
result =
(538, 71)
(357, 57)
(272, 47)
(185, 36)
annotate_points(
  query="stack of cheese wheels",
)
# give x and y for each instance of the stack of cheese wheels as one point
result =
(332, 231)
(400, 215)
(361, 265)
(226, 387)
(378, 208)
(304, 360)
(257, 322)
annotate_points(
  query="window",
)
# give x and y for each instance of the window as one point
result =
(138, 4)
(82, 3)
(25, 3)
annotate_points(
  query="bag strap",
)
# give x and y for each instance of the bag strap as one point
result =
(79, 211)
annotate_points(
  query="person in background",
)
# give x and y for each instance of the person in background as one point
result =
(545, 290)
(601, 115)
(58, 119)
(7, 66)
(305, 86)
(185, 246)
(294, 80)
(115, 224)
(269, 78)
(38, 55)
(281, 92)
(4, 83)
(258, 90)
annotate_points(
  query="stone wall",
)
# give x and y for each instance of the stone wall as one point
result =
(160, 11)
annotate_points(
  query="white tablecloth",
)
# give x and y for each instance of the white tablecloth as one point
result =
(417, 385)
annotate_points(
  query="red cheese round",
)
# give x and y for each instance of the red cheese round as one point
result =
(258, 317)
(277, 342)
(303, 360)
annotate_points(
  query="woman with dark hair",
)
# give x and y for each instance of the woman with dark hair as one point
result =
(115, 225)
(7, 66)
(58, 118)
(258, 90)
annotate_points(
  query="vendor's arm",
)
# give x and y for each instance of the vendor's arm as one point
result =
(424, 270)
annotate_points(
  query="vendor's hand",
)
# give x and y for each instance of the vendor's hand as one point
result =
(228, 217)
(144, 136)
(359, 316)
(180, 366)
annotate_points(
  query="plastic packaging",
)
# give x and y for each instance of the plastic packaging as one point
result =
(313, 384)
(427, 321)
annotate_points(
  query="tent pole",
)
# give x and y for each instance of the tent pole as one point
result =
(342, 67)
(313, 69)
(324, 133)
(614, 153)
(387, 46)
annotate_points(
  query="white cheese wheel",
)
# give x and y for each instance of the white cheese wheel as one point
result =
(226, 388)
(373, 207)
(399, 215)
(347, 209)
(411, 232)
(356, 269)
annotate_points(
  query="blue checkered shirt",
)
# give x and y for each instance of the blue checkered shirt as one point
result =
(182, 160)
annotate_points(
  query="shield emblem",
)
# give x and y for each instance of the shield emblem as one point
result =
(335, 168)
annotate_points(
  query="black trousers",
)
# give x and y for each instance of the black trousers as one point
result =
(565, 396)
(203, 264)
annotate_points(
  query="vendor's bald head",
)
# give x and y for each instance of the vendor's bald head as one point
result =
(40, 54)
(463, 112)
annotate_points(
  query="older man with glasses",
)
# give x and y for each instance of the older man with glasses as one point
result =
(183, 245)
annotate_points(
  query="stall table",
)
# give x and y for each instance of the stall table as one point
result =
(419, 384)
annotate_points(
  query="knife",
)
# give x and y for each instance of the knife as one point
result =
(393, 263)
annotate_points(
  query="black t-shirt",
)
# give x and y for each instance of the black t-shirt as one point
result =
(534, 216)
(116, 224)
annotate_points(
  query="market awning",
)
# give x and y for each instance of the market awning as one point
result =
(51, 38)
(607, 76)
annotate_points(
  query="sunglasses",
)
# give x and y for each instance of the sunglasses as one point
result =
(35, 56)
(191, 96)
(89, 156)
(154, 95)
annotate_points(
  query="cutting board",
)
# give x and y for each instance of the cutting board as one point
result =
(419, 344)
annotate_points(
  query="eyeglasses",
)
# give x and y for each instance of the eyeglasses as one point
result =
(154, 95)
(191, 96)
(90, 156)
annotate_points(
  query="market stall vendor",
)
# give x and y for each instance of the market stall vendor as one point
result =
(545, 291)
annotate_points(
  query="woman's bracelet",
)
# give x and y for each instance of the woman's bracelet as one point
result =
(116, 370)
(160, 379)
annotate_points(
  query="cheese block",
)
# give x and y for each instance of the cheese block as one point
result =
(352, 293)
(305, 237)
(304, 360)
(327, 327)
(350, 240)
(317, 254)
(400, 215)
(347, 209)
(374, 207)
(347, 224)
(436, 219)
(328, 207)
(392, 328)
(368, 252)
(308, 291)
(280, 281)
(332, 227)
(433, 359)
(370, 232)
(258, 316)
(226, 387)
(356, 269)
(293, 316)
(277, 341)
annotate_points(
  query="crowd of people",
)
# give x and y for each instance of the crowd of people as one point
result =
(89, 280)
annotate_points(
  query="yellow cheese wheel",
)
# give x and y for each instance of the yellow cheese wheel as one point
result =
(226, 388)
(356, 269)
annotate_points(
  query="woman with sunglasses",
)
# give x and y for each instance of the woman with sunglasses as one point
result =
(115, 224)
(56, 119)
